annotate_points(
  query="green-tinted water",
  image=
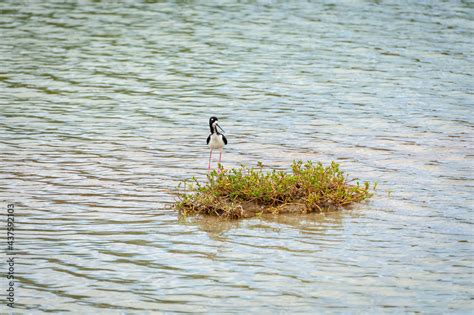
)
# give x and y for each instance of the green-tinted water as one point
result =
(104, 108)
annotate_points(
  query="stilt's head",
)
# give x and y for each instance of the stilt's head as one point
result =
(213, 125)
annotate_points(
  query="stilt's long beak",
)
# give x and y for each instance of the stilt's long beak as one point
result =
(220, 128)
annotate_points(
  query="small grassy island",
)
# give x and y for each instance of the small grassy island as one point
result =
(246, 192)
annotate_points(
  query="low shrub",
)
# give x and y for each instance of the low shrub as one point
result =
(246, 192)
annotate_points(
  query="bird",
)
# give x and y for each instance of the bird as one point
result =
(215, 140)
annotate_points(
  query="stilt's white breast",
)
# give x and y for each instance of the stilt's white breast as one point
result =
(216, 142)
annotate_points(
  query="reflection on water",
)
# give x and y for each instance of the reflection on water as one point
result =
(105, 108)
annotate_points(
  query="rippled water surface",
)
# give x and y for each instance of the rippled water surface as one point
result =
(104, 109)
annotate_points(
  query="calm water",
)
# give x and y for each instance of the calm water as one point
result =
(104, 109)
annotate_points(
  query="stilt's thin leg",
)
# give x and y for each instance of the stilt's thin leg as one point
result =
(209, 165)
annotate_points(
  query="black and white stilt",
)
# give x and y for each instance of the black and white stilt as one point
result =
(216, 140)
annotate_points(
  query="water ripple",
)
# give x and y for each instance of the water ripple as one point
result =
(104, 110)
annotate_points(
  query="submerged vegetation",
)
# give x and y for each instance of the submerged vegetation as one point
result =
(246, 192)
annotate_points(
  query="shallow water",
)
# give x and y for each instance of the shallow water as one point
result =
(104, 109)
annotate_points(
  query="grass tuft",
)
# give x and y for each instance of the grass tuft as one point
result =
(246, 192)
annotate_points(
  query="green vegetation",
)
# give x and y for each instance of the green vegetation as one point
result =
(246, 192)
